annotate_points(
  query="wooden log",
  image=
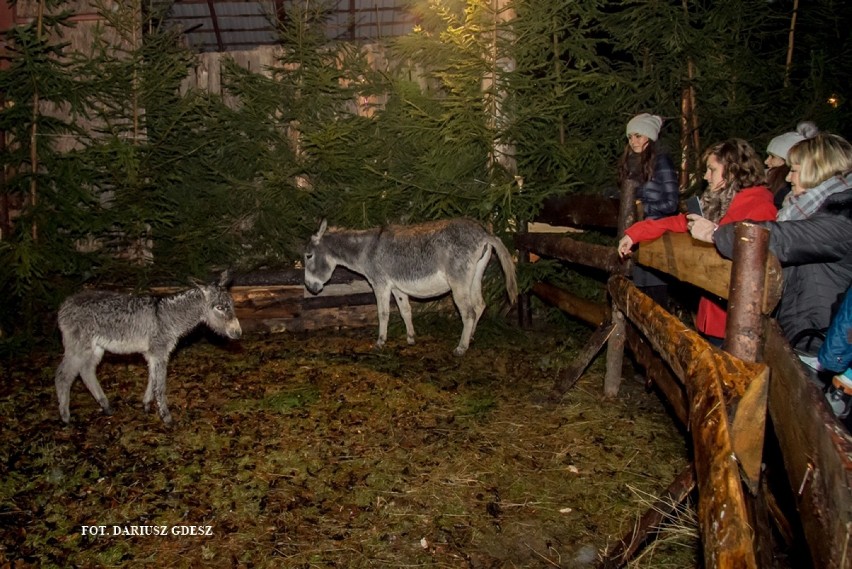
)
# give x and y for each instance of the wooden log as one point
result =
(594, 313)
(260, 297)
(817, 453)
(285, 277)
(744, 329)
(567, 379)
(627, 214)
(699, 264)
(615, 353)
(663, 507)
(627, 206)
(744, 336)
(580, 210)
(711, 377)
(748, 428)
(338, 317)
(524, 300)
(567, 249)
(659, 373)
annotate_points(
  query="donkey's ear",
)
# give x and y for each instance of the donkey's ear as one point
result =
(225, 279)
(318, 235)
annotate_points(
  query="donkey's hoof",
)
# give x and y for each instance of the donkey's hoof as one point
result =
(410, 340)
(459, 351)
(108, 411)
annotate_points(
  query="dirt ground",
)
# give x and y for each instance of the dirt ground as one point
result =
(316, 450)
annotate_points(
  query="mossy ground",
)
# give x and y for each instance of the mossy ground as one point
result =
(316, 450)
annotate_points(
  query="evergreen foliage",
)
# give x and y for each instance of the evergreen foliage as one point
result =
(473, 115)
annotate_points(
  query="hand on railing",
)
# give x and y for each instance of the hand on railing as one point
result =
(625, 245)
(701, 228)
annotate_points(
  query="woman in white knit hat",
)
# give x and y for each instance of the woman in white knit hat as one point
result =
(644, 163)
(777, 159)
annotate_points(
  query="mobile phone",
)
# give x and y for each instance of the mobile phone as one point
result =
(693, 205)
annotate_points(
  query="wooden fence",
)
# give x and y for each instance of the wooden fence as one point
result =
(724, 400)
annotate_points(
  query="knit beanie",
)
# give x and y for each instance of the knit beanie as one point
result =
(780, 145)
(646, 125)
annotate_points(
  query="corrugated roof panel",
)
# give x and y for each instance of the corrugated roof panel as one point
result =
(244, 24)
(243, 8)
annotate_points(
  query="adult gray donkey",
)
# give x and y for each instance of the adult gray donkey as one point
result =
(93, 322)
(423, 261)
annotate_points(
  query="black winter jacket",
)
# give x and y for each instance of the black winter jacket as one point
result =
(659, 195)
(816, 260)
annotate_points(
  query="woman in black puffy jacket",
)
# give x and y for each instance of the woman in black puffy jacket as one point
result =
(645, 163)
(813, 235)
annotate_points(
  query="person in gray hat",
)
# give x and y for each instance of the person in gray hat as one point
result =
(778, 161)
(645, 163)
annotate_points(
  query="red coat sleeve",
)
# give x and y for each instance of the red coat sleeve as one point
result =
(650, 229)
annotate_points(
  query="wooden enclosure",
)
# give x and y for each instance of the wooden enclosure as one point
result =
(724, 400)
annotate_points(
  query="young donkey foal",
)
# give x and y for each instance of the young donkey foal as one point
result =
(94, 322)
(423, 261)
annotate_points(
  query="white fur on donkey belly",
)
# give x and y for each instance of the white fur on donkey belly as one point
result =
(433, 285)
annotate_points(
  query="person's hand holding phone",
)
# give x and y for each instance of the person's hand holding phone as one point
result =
(700, 228)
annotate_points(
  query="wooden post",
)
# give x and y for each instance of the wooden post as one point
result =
(744, 338)
(615, 344)
(524, 304)
(744, 331)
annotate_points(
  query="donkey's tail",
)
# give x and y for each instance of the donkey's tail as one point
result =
(508, 267)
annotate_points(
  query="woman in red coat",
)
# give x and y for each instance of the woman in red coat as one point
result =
(736, 191)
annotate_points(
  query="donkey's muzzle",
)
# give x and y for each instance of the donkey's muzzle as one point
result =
(235, 331)
(314, 287)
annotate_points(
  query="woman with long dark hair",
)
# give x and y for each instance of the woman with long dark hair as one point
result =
(650, 168)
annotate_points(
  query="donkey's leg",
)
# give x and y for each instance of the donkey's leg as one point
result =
(468, 298)
(89, 363)
(66, 373)
(149, 394)
(157, 369)
(405, 310)
(476, 299)
(461, 296)
(383, 294)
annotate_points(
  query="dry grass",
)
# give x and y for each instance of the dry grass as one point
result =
(318, 451)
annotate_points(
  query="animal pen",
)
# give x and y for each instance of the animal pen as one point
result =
(724, 398)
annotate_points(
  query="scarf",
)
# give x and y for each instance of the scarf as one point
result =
(805, 205)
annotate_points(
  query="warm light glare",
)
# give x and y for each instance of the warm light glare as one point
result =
(834, 101)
